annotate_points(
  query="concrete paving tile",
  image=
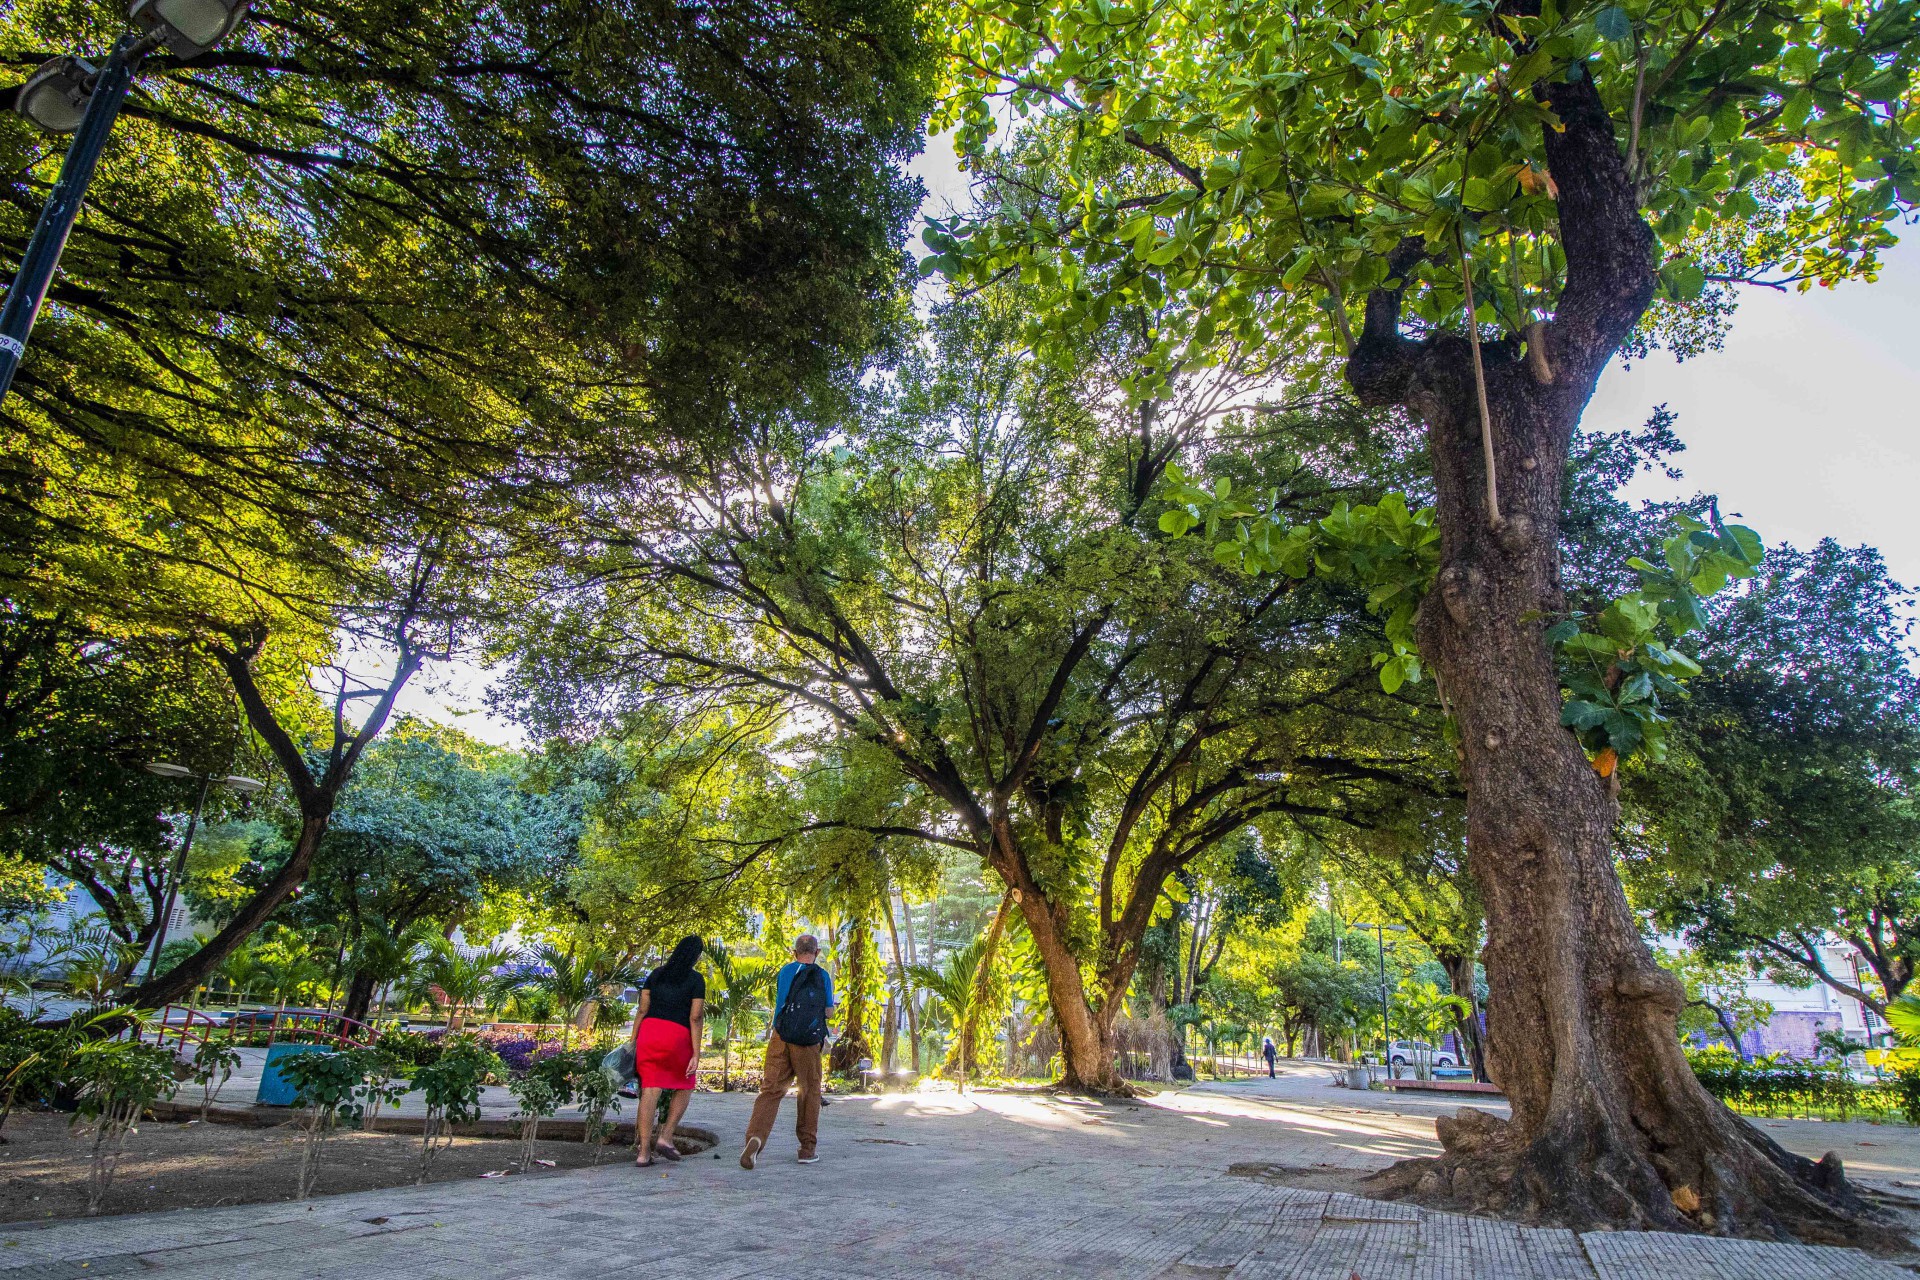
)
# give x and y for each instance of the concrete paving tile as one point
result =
(998, 1188)
(1631, 1255)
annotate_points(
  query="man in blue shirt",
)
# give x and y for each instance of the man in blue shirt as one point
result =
(787, 1063)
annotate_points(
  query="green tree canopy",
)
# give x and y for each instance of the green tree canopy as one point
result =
(431, 822)
(966, 582)
(1789, 815)
(81, 714)
(367, 267)
(1475, 206)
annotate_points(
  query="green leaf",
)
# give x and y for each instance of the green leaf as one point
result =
(1746, 544)
(1613, 24)
(1578, 714)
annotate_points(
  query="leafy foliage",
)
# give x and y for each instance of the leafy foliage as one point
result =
(330, 1084)
(1385, 550)
(368, 269)
(962, 592)
(450, 1087)
(113, 1082)
(1784, 813)
(1251, 168)
(1620, 666)
(1774, 1086)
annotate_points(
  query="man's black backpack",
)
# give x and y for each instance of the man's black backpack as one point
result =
(802, 1019)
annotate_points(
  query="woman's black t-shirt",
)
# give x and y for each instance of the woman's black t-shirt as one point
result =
(673, 1001)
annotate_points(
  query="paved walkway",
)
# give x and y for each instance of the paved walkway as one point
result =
(931, 1184)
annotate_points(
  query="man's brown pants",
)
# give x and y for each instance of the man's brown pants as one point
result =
(785, 1064)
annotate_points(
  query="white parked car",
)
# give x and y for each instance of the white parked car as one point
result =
(1406, 1053)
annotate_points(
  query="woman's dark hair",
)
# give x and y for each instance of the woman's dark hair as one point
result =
(677, 967)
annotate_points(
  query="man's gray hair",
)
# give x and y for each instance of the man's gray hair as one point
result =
(806, 945)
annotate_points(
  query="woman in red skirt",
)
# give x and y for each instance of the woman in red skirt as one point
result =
(666, 1039)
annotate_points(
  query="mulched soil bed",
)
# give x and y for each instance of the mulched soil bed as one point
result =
(171, 1165)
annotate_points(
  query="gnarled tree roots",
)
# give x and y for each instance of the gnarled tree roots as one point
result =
(1726, 1178)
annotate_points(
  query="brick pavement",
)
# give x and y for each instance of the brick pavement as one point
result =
(912, 1186)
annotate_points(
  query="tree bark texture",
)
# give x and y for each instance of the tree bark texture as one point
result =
(359, 997)
(1460, 981)
(1609, 1126)
(1087, 1055)
(314, 795)
(852, 1044)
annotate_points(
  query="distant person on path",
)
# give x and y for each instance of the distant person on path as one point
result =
(1268, 1052)
(802, 997)
(666, 1040)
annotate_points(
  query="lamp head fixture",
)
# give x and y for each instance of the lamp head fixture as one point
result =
(170, 770)
(191, 27)
(55, 96)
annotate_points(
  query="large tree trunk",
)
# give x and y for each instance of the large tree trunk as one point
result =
(852, 1045)
(1609, 1126)
(195, 969)
(1087, 1056)
(359, 997)
(1467, 1026)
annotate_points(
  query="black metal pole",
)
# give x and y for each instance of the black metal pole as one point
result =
(173, 881)
(1386, 1010)
(29, 288)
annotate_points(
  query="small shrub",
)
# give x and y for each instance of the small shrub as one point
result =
(33, 1060)
(213, 1066)
(411, 1049)
(599, 1093)
(330, 1085)
(452, 1085)
(519, 1049)
(1905, 1086)
(538, 1099)
(115, 1081)
(1775, 1085)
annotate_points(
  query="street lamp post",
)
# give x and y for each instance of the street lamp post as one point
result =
(68, 95)
(1386, 1007)
(233, 782)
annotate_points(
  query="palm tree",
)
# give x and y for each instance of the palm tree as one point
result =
(242, 970)
(291, 976)
(94, 961)
(442, 974)
(952, 990)
(740, 982)
(380, 957)
(577, 979)
(1428, 1013)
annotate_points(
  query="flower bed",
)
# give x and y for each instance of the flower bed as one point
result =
(518, 1049)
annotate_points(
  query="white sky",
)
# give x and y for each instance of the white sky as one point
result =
(1805, 424)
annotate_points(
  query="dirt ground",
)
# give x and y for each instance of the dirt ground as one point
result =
(43, 1165)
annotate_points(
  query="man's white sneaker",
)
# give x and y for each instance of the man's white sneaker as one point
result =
(751, 1150)
(811, 1157)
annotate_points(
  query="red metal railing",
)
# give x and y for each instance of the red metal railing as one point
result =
(201, 1028)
